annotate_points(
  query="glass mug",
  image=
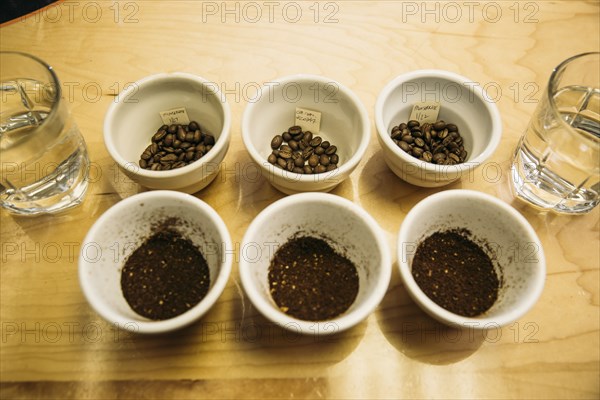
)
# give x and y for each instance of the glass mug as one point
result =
(43, 158)
(556, 165)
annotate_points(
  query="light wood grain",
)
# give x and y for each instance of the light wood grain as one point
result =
(54, 345)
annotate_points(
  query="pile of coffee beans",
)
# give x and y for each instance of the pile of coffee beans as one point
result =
(439, 143)
(175, 146)
(300, 152)
(456, 273)
(310, 281)
(166, 276)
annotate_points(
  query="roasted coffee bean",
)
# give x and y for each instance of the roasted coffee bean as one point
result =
(302, 145)
(298, 137)
(331, 167)
(325, 144)
(189, 156)
(316, 141)
(313, 160)
(146, 155)
(281, 162)
(439, 125)
(319, 150)
(276, 142)
(439, 157)
(404, 146)
(285, 153)
(209, 140)
(417, 152)
(289, 165)
(324, 160)
(286, 136)
(307, 152)
(168, 141)
(419, 142)
(330, 150)
(446, 141)
(298, 170)
(308, 169)
(197, 136)
(452, 128)
(193, 125)
(442, 134)
(165, 167)
(416, 133)
(272, 158)
(412, 123)
(293, 144)
(159, 135)
(397, 134)
(308, 136)
(178, 164)
(463, 155)
(298, 162)
(454, 157)
(172, 128)
(334, 159)
(169, 158)
(189, 137)
(294, 130)
(319, 169)
(408, 139)
(181, 157)
(186, 145)
(143, 163)
(176, 143)
(181, 134)
(155, 167)
(201, 147)
(427, 156)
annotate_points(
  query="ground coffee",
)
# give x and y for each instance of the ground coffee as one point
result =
(166, 276)
(456, 273)
(310, 281)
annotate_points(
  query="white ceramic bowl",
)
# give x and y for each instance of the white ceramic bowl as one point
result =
(462, 103)
(133, 117)
(344, 122)
(347, 228)
(519, 256)
(123, 228)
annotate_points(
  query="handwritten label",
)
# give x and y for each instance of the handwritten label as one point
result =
(175, 116)
(426, 111)
(308, 120)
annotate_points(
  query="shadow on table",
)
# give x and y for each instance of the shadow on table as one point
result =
(418, 336)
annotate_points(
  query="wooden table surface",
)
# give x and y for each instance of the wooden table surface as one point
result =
(54, 345)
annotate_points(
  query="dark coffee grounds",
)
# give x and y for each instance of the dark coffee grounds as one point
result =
(166, 276)
(310, 281)
(455, 273)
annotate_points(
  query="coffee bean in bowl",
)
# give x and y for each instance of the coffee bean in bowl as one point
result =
(309, 155)
(175, 146)
(437, 143)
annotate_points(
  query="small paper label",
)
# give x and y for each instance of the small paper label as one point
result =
(175, 116)
(308, 120)
(426, 111)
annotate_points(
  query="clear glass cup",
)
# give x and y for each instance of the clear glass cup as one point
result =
(556, 165)
(43, 158)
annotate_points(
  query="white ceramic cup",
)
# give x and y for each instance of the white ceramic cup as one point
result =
(123, 228)
(518, 254)
(134, 116)
(463, 103)
(345, 226)
(344, 123)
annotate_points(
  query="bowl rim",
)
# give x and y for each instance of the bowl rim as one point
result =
(181, 320)
(344, 169)
(472, 86)
(224, 138)
(345, 321)
(424, 302)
